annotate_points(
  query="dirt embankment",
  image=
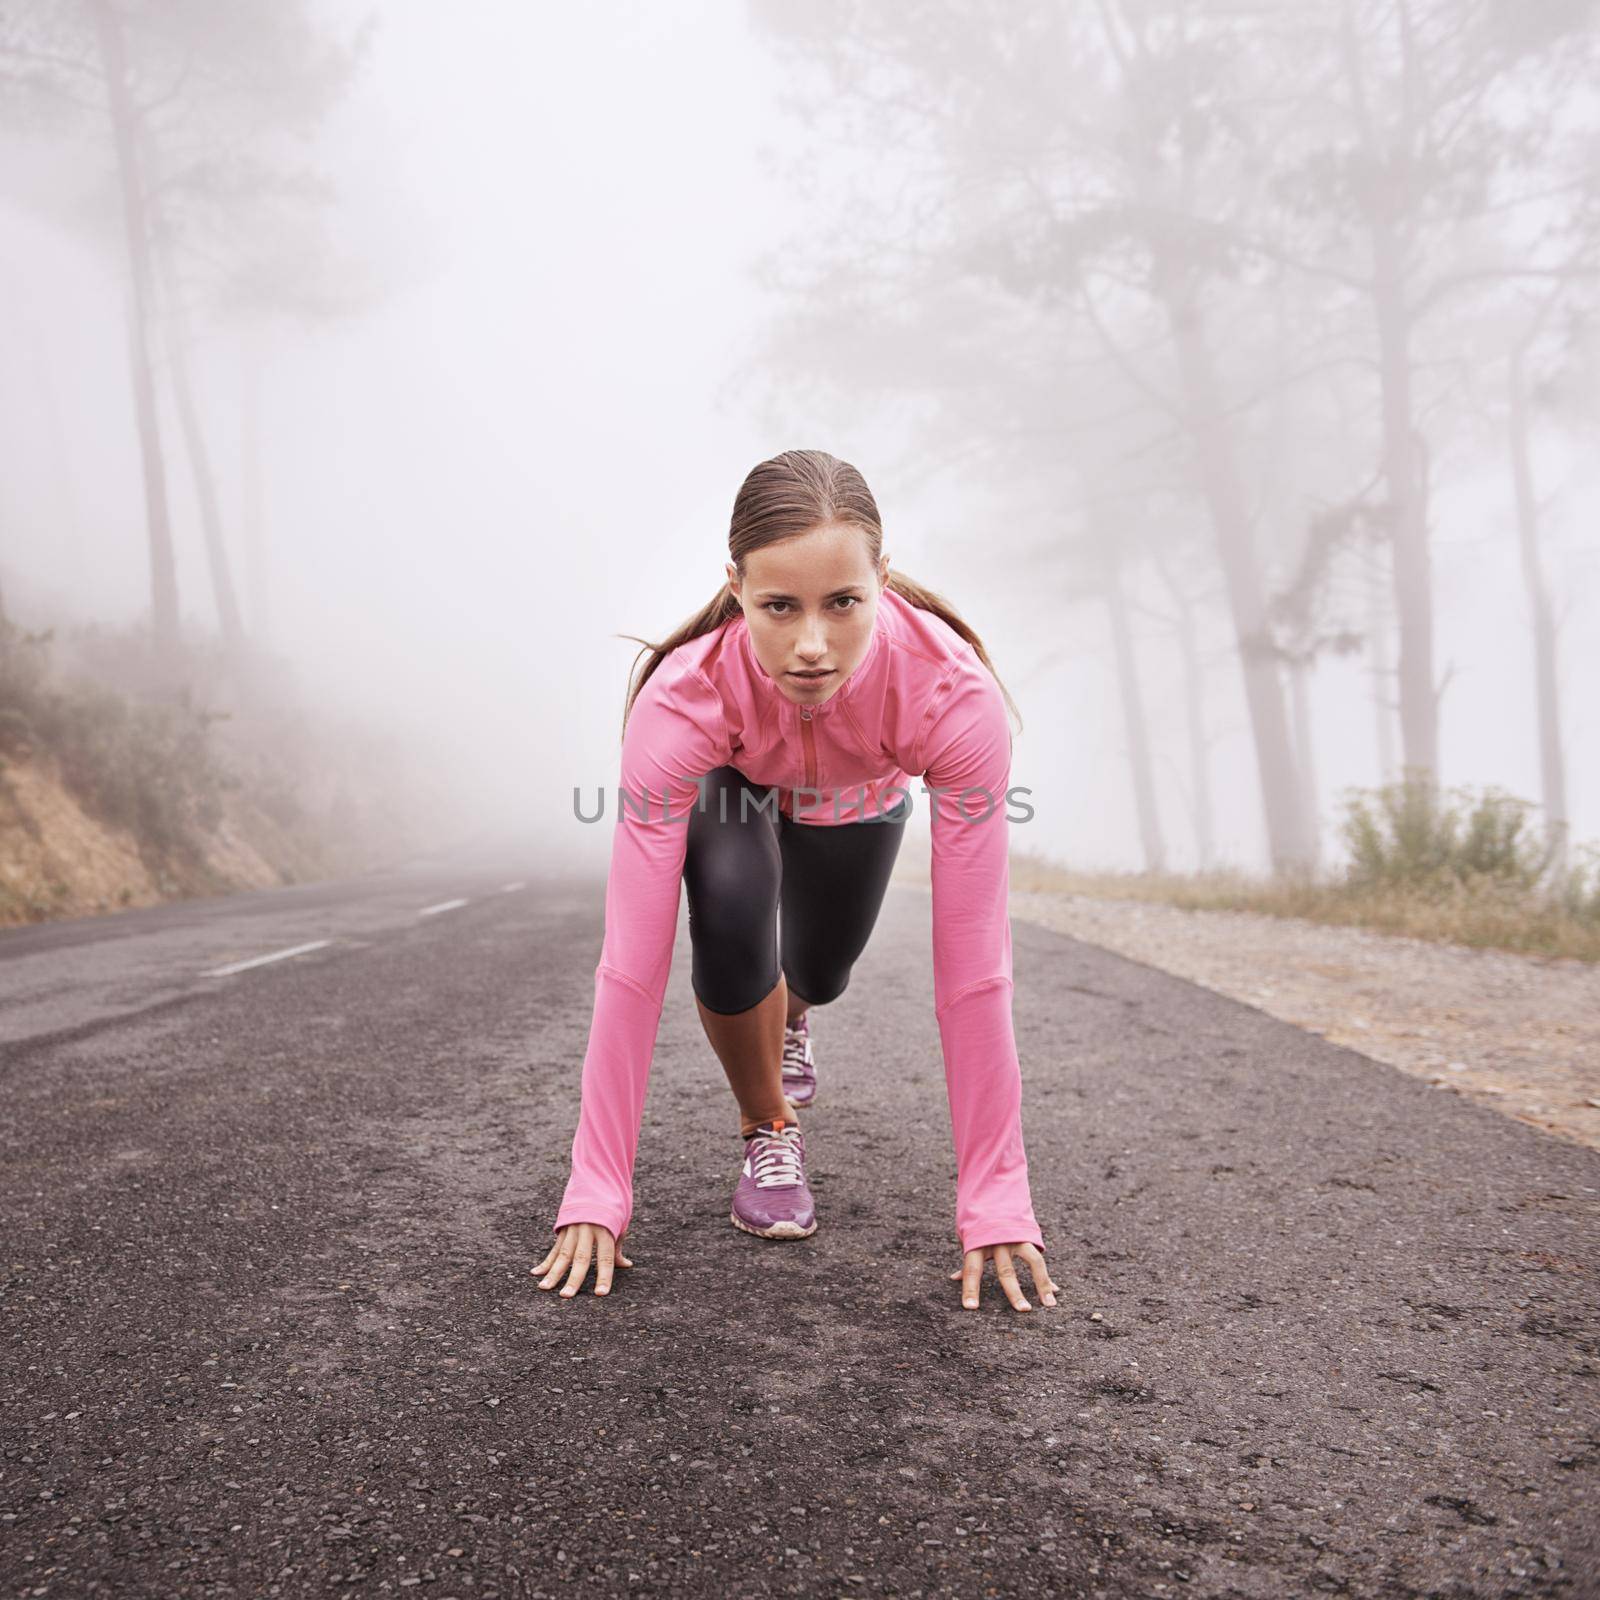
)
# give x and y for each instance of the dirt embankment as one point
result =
(59, 860)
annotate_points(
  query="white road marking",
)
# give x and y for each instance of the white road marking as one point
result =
(443, 905)
(261, 961)
(511, 888)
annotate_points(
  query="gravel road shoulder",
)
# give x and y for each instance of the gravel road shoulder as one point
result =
(1519, 1033)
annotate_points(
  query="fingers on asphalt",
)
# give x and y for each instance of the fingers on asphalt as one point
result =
(563, 1254)
(580, 1261)
(971, 1276)
(1005, 1270)
(1043, 1283)
(577, 1245)
(584, 1244)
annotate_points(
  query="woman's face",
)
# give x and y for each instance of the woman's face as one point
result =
(811, 603)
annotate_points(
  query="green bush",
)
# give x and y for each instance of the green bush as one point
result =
(1411, 834)
(1579, 891)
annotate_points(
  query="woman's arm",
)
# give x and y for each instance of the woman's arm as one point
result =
(966, 745)
(675, 735)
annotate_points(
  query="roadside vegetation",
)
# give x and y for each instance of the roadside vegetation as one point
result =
(1466, 866)
(115, 792)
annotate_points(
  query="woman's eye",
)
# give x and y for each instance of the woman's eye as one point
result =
(779, 607)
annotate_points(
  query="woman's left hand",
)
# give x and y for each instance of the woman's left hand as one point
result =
(970, 1272)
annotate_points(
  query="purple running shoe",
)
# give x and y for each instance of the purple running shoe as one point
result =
(772, 1199)
(799, 1069)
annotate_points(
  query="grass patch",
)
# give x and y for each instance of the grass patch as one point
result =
(1461, 866)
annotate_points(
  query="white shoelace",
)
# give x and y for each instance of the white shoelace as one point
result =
(796, 1054)
(775, 1159)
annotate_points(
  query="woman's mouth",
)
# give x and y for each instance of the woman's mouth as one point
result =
(812, 676)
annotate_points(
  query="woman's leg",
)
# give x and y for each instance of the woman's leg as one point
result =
(796, 1007)
(834, 878)
(750, 1047)
(732, 874)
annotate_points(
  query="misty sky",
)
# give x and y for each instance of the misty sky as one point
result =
(531, 441)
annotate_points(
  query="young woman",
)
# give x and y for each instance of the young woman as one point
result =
(768, 753)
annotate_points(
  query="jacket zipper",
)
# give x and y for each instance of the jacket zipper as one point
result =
(808, 739)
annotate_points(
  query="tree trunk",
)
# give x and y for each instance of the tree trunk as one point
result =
(250, 513)
(1224, 495)
(158, 522)
(1194, 707)
(1382, 675)
(1406, 484)
(1277, 482)
(1306, 756)
(174, 328)
(1133, 716)
(1552, 758)
(1387, 169)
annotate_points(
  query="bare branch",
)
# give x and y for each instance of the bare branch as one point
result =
(49, 58)
(1451, 282)
(1166, 405)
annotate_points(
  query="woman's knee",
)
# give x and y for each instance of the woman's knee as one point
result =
(733, 872)
(733, 875)
(734, 953)
(815, 985)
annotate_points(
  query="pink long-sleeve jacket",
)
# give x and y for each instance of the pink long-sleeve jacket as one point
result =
(919, 706)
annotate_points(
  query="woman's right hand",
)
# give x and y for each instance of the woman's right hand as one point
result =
(578, 1243)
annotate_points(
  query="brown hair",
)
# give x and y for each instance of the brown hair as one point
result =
(783, 498)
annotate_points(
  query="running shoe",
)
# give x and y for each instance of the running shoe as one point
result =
(799, 1069)
(772, 1199)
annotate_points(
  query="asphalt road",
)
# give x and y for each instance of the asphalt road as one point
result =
(268, 1325)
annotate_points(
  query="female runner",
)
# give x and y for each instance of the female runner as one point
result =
(767, 753)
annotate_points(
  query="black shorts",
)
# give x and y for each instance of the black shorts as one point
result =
(745, 859)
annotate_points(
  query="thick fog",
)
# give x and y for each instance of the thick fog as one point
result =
(485, 404)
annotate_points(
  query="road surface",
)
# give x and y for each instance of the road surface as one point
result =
(269, 1327)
